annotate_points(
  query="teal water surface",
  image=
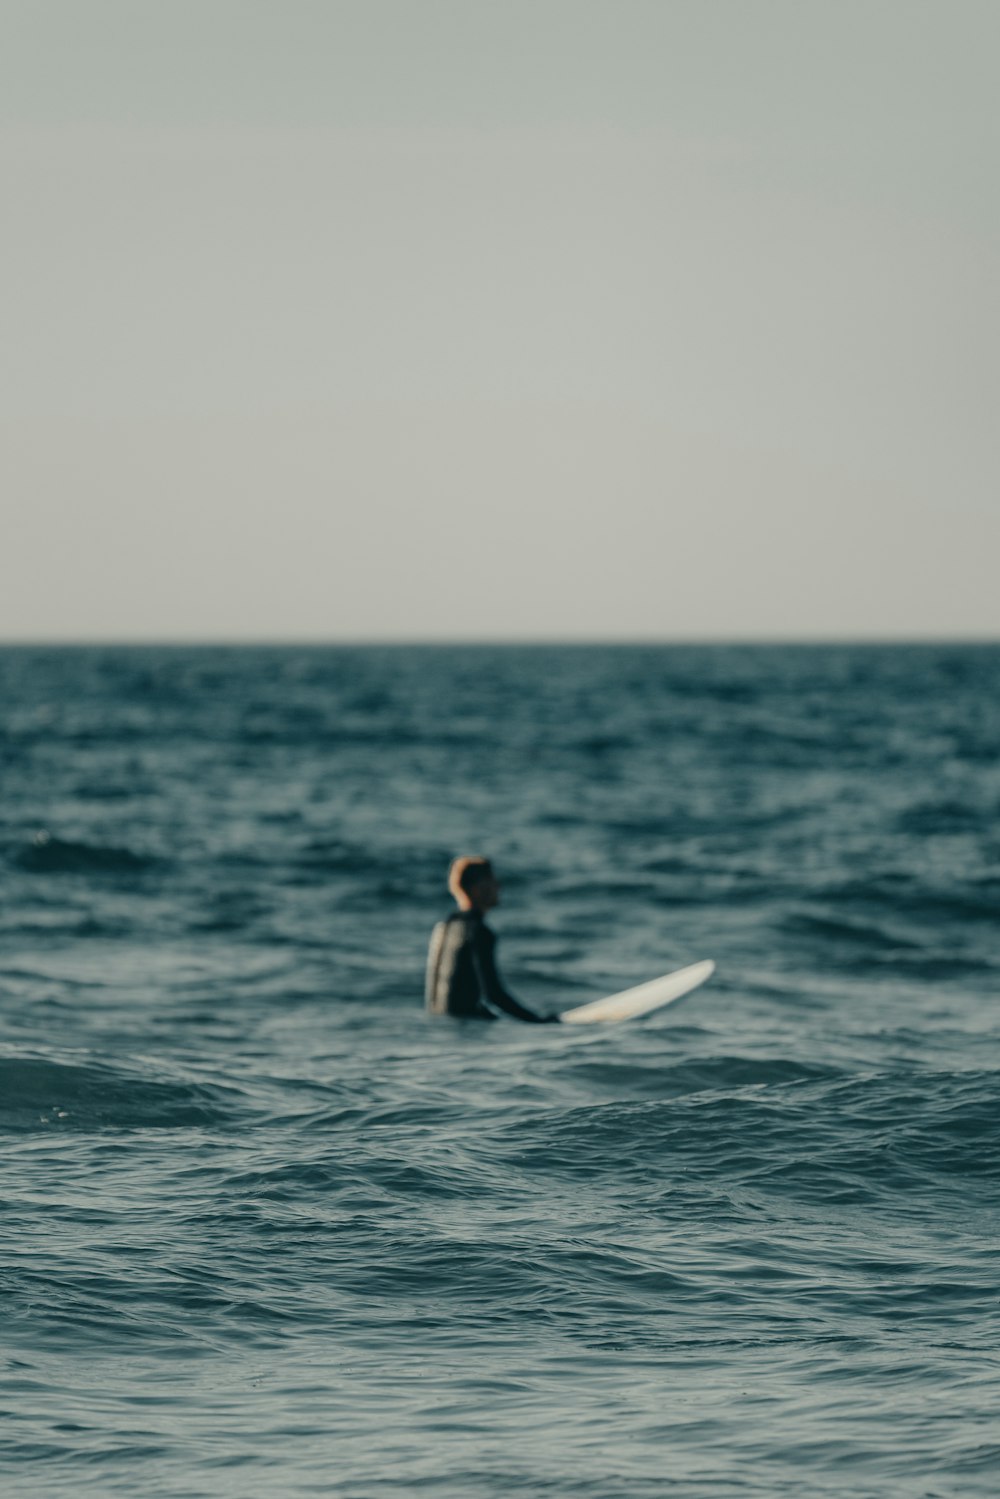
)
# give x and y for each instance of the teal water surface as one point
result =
(267, 1230)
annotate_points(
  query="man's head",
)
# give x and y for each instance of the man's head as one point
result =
(473, 884)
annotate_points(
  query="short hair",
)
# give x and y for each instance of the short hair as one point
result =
(468, 871)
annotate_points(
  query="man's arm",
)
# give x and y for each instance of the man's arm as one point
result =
(492, 988)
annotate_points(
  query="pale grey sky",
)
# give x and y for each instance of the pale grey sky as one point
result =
(536, 319)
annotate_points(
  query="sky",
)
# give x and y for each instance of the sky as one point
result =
(450, 319)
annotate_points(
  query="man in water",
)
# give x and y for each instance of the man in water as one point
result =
(462, 978)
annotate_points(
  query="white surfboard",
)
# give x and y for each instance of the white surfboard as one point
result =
(643, 998)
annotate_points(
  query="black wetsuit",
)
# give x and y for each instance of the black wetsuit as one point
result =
(462, 976)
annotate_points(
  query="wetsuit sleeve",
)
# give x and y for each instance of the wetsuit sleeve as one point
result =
(492, 988)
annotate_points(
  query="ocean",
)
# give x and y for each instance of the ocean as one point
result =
(268, 1230)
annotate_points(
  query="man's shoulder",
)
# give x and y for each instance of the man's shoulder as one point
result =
(457, 924)
(465, 926)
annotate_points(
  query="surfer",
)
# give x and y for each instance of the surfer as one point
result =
(462, 977)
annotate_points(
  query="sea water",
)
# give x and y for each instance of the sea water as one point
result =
(268, 1230)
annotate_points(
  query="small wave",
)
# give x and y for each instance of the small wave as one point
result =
(40, 1094)
(817, 1138)
(47, 854)
(911, 896)
(941, 817)
(599, 745)
(869, 934)
(112, 791)
(708, 1075)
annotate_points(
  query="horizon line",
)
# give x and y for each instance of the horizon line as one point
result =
(315, 642)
